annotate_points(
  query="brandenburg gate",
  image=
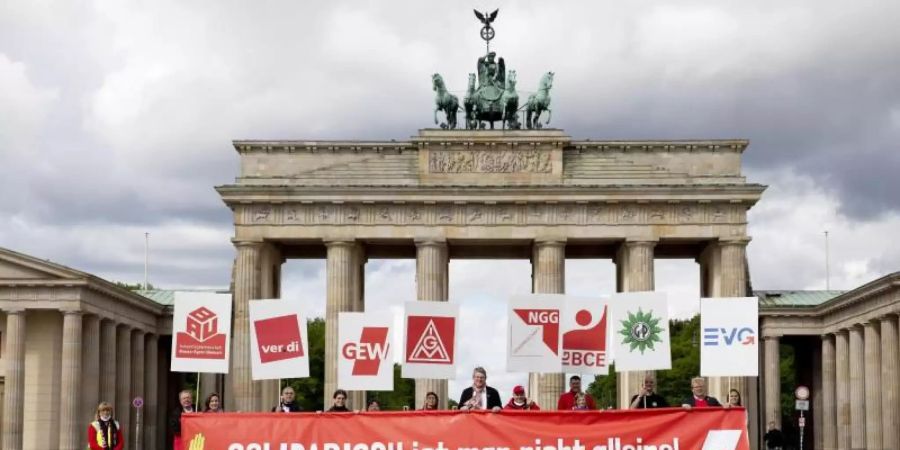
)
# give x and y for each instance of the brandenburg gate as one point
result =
(531, 194)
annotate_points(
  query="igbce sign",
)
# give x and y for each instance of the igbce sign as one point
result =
(365, 359)
(584, 343)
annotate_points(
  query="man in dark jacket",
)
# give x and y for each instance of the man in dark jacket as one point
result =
(647, 398)
(287, 403)
(699, 399)
(480, 395)
(186, 405)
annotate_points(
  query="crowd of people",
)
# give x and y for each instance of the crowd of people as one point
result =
(104, 432)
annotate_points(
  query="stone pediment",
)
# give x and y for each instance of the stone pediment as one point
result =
(17, 266)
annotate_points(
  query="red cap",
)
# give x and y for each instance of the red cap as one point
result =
(518, 390)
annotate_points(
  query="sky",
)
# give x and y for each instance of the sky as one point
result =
(116, 119)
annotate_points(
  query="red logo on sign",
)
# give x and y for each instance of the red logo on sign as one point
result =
(587, 346)
(201, 339)
(548, 320)
(278, 338)
(368, 353)
(429, 340)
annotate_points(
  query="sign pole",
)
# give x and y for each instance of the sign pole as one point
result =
(138, 404)
(196, 403)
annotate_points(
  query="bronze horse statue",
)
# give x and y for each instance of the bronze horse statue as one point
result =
(444, 101)
(539, 102)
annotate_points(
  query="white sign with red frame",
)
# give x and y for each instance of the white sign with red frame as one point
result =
(533, 337)
(584, 336)
(429, 340)
(201, 329)
(365, 351)
(279, 347)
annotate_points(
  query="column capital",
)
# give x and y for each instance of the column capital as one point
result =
(340, 242)
(430, 242)
(870, 323)
(734, 240)
(247, 243)
(549, 241)
(16, 310)
(71, 311)
(772, 337)
(640, 242)
(124, 327)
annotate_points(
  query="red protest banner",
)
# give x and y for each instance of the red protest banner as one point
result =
(651, 429)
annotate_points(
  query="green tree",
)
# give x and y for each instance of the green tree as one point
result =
(404, 394)
(310, 391)
(672, 384)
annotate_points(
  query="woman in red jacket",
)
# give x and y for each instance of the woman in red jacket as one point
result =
(104, 432)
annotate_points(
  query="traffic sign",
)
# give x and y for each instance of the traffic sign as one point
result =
(138, 402)
(801, 422)
(802, 393)
(802, 405)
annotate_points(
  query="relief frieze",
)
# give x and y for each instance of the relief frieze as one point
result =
(492, 214)
(489, 161)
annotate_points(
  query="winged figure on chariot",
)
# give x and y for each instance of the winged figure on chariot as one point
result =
(494, 97)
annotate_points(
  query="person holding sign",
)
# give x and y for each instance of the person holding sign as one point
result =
(646, 398)
(699, 399)
(287, 403)
(186, 401)
(104, 432)
(479, 396)
(520, 401)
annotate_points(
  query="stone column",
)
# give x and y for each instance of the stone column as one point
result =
(842, 359)
(872, 383)
(267, 392)
(151, 389)
(549, 277)
(432, 284)
(343, 272)
(857, 388)
(108, 365)
(70, 436)
(137, 386)
(246, 288)
(90, 368)
(733, 283)
(890, 360)
(123, 378)
(772, 379)
(14, 382)
(829, 403)
(634, 273)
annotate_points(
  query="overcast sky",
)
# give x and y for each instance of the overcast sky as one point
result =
(116, 119)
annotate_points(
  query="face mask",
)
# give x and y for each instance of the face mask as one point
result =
(104, 417)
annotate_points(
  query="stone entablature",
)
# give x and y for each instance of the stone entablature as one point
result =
(479, 158)
(490, 213)
(869, 302)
